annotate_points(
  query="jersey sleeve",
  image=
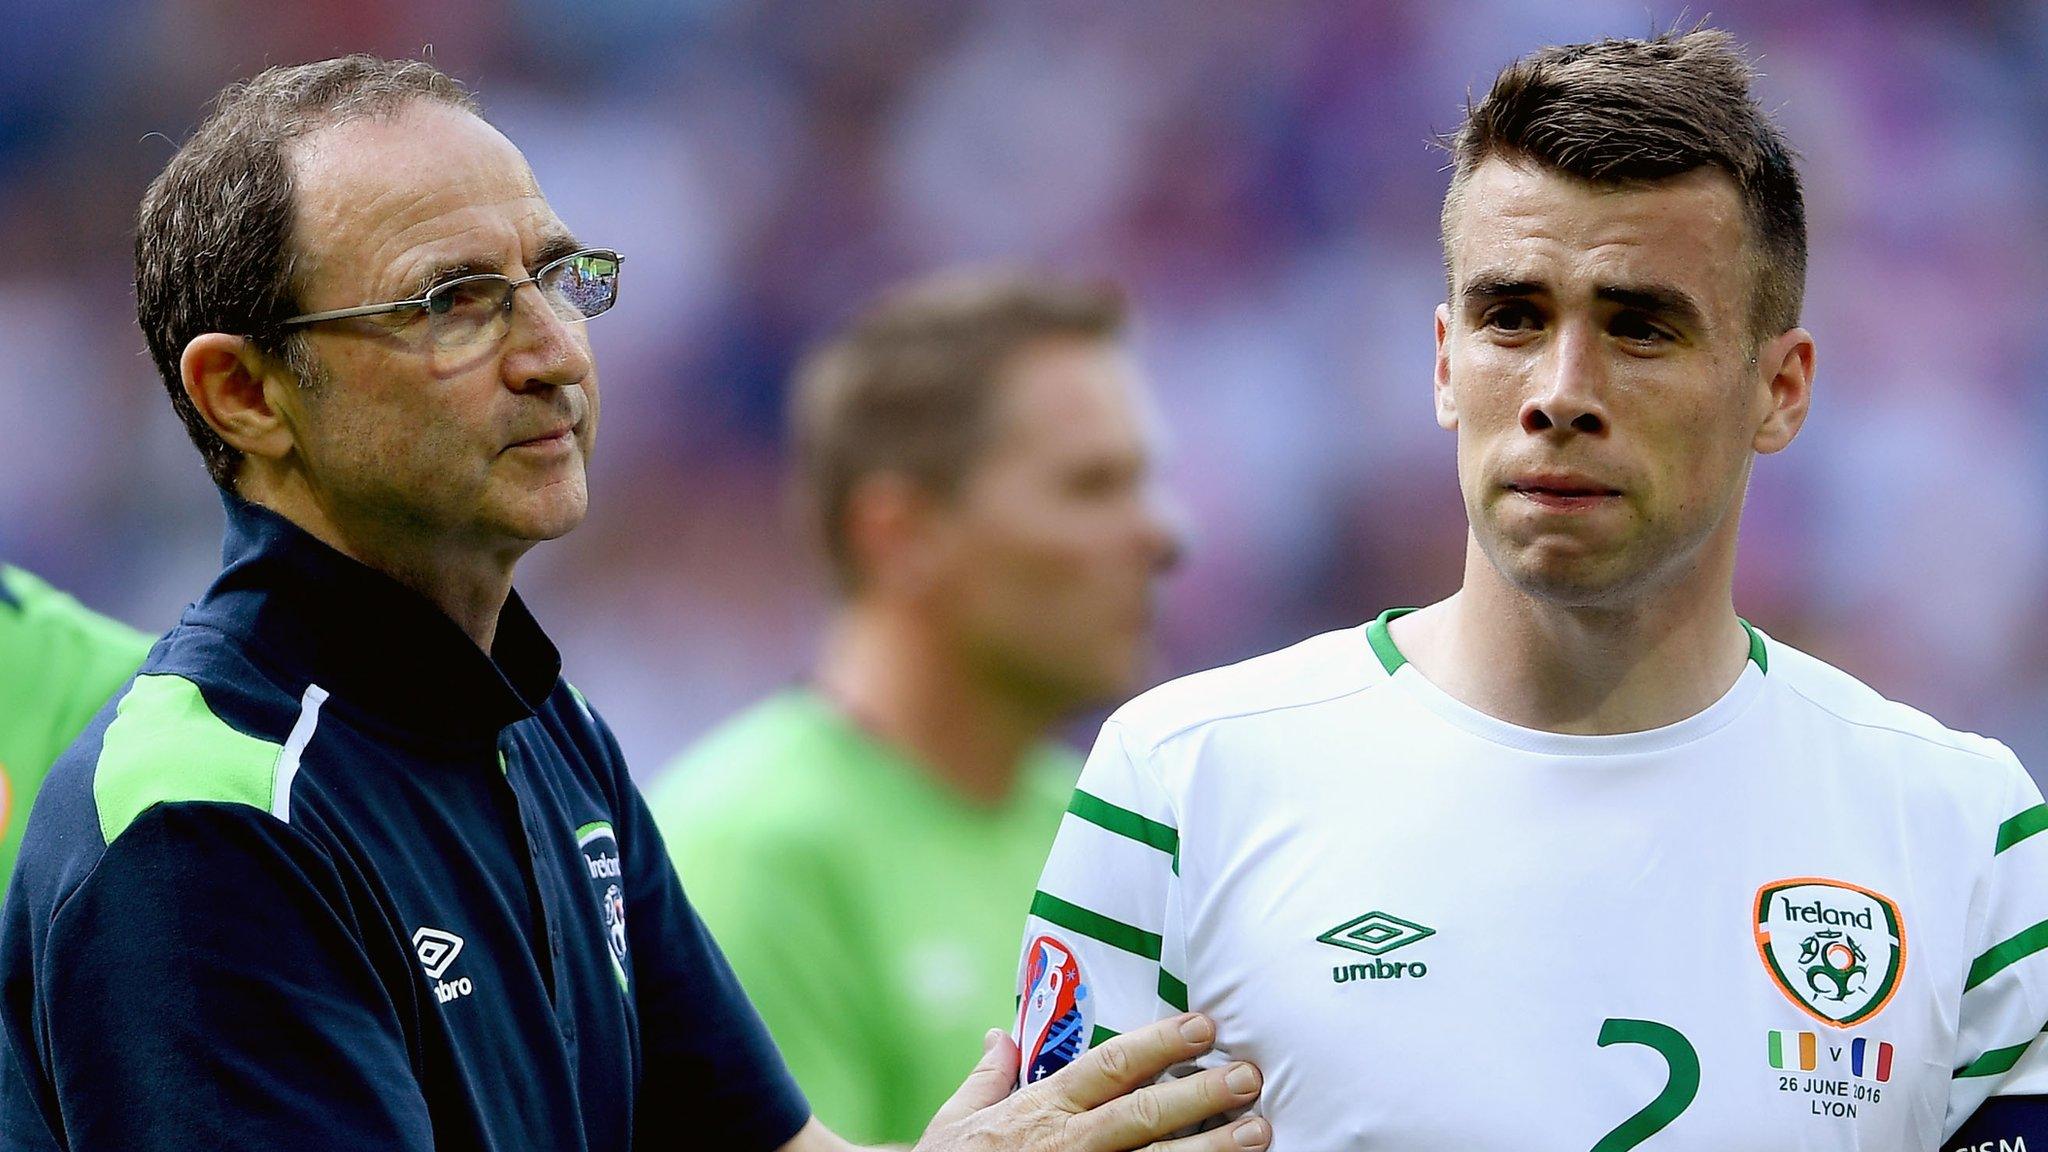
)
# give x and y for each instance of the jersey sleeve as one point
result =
(708, 1067)
(2000, 1085)
(205, 987)
(1102, 945)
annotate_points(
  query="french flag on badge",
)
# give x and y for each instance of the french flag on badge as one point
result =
(1053, 1016)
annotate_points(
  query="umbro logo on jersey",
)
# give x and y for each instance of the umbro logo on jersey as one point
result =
(1376, 934)
(437, 950)
(1835, 949)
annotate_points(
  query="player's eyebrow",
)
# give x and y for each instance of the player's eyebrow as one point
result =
(554, 245)
(1488, 289)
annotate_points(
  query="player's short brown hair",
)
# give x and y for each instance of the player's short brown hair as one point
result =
(911, 386)
(214, 250)
(1622, 112)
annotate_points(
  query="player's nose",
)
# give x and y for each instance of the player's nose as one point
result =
(1569, 383)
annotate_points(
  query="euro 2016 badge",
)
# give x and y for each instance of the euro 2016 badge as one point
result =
(1052, 1020)
(1836, 949)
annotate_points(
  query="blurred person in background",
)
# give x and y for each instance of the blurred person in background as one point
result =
(59, 661)
(1577, 858)
(975, 457)
(351, 866)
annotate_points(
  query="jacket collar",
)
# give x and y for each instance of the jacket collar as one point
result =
(366, 638)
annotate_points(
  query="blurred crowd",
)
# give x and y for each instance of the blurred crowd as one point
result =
(1260, 173)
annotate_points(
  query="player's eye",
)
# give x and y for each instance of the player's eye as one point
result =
(1637, 329)
(1512, 316)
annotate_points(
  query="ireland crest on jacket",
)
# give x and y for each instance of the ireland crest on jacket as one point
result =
(600, 847)
(1836, 949)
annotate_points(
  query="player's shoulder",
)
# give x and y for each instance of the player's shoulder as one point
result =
(1318, 670)
(1840, 699)
(776, 761)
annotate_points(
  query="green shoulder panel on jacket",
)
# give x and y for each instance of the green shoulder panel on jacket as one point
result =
(165, 745)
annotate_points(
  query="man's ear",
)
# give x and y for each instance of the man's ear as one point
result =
(1786, 368)
(225, 377)
(891, 534)
(1446, 404)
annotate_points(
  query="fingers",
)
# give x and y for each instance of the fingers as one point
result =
(1130, 1060)
(1150, 1113)
(1251, 1134)
(991, 1080)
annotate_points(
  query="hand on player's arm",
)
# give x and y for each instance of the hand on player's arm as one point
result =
(1104, 1102)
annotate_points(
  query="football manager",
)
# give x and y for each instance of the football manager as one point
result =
(348, 865)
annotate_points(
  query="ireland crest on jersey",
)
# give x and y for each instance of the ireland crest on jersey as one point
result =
(1835, 948)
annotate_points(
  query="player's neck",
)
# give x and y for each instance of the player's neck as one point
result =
(1588, 671)
(916, 694)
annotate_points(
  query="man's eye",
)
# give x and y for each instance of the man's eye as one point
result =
(1510, 318)
(1634, 326)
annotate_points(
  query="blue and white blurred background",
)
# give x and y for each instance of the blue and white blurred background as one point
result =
(1258, 171)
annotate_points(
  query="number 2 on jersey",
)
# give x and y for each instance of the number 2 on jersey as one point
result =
(1681, 1086)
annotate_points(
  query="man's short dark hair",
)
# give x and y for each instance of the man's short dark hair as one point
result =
(911, 387)
(1623, 112)
(214, 250)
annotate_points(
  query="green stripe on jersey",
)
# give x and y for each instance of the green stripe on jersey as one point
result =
(1996, 1062)
(1757, 654)
(165, 745)
(1096, 926)
(2003, 956)
(2022, 826)
(1382, 641)
(1124, 822)
(1172, 990)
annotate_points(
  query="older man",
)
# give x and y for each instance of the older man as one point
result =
(350, 866)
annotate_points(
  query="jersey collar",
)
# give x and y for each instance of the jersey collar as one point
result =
(367, 639)
(1462, 715)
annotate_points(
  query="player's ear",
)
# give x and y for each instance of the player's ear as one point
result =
(892, 535)
(1784, 369)
(1446, 403)
(237, 388)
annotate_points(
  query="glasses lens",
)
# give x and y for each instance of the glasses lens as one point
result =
(583, 285)
(468, 310)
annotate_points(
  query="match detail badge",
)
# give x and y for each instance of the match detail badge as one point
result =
(1835, 949)
(1052, 1019)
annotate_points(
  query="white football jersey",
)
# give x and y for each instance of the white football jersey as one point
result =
(1805, 918)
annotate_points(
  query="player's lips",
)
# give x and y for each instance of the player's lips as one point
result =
(1561, 490)
(558, 439)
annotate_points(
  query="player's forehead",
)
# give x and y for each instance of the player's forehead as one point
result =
(1071, 396)
(381, 201)
(1522, 223)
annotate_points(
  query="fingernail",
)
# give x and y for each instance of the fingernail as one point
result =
(1250, 1134)
(988, 1042)
(1197, 1030)
(1241, 1079)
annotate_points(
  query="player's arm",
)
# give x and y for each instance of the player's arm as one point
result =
(1102, 944)
(1107, 1101)
(1999, 1091)
(205, 987)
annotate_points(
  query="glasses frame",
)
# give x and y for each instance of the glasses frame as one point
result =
(425, 299)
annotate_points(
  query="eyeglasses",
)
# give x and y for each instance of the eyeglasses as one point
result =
(472, 310)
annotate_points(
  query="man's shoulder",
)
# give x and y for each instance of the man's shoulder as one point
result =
(775, 759)
(1314, 671)
(1842, 701)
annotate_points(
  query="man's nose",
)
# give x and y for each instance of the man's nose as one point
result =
(1570, 385)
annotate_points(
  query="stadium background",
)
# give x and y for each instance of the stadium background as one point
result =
(1257, 171)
